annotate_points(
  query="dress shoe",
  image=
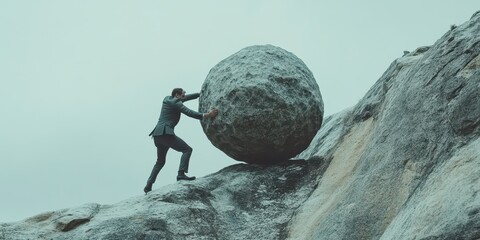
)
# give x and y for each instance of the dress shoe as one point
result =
(184, 177)
(147, 188)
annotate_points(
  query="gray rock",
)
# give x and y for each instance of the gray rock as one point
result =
(218, 206)
(43, 225)
(410, 170)
(270, 105)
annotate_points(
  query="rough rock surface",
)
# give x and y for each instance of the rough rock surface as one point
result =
(271, 106)
(407, 165)
(219, 206)
(404, 163)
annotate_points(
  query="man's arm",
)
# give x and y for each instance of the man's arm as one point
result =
(193, 114)
(189, 97)
(189, 112)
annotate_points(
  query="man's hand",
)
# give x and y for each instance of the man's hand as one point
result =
(211, 114)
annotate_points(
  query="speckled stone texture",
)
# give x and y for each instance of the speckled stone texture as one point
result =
(270, 105)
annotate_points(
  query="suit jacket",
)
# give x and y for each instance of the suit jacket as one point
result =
(172, 108)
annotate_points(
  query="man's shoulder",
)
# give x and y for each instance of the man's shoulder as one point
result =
(171, 100)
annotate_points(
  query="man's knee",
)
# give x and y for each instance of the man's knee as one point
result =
(160, 161)
(186, 149)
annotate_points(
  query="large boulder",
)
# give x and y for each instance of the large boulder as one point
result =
(269, 102)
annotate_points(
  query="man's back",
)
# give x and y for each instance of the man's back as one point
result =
(170, 113)
(172, 107)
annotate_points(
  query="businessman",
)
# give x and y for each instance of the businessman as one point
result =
(164, 136)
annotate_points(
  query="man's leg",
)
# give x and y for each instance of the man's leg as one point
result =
(161, 156)
(171, 141)
(181, 146)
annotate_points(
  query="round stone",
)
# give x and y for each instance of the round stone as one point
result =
(269, 103)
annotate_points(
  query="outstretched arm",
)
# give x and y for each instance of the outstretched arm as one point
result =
(189, 112)
(189, 97)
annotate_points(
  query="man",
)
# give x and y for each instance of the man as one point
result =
(164, 136)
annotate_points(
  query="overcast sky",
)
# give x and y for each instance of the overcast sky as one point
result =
(82, 81)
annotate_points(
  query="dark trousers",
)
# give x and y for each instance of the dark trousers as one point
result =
(163, 143)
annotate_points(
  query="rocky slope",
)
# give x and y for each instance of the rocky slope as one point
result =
(404, 163)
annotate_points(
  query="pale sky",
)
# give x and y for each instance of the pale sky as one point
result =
(82, 81)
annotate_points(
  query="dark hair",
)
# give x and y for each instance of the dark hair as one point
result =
(176, 91)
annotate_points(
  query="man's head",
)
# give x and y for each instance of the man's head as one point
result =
(178, 93)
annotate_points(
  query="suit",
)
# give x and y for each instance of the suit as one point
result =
(172, 108)
(164, 133)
